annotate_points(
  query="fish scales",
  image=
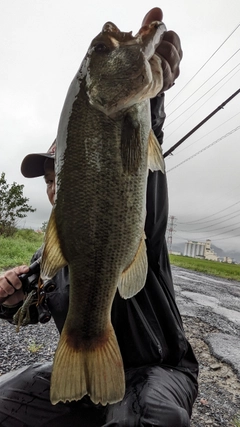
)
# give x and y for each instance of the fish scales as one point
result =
(102, 214)
(104, 149)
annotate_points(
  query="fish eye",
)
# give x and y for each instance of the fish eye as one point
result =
(101, 47)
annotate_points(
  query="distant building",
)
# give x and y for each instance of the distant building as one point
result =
(200, 250)
(227, 259)
(194, 249)
(209, 253)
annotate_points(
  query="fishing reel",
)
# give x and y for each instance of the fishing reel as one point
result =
(30, 282)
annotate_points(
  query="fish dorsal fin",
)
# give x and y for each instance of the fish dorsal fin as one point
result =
(52, 257)
(155, 155)
(134, 276)
(130, 144)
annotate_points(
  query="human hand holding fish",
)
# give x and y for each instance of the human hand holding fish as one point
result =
(169, 50)
(11, 292)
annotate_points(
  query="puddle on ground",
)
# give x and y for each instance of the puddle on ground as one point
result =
(214, 303)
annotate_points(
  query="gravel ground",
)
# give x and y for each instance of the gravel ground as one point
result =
(218, 402)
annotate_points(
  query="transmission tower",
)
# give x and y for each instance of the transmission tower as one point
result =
(171, 230)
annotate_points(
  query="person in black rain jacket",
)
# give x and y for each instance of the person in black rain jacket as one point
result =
(160, 367)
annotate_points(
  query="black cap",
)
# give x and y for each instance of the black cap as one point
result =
(33, 164)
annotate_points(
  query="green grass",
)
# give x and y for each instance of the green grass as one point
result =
(236, 422)
(19, 248)
(221, 269)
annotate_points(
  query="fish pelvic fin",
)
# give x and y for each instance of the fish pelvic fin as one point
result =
(155, 154)
(134, 276)
(95, 369)
(52, 257)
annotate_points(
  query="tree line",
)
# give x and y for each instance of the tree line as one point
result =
(13, 206)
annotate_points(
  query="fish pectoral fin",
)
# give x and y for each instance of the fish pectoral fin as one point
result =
(94, 368)
(130, 144)
(155, 154)
(52, 257)
(134, 276)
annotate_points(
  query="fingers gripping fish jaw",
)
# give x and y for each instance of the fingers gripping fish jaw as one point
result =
(150, 37)
(119, 56)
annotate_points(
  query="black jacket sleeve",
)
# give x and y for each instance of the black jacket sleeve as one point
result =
(148, 326)
(158, 116)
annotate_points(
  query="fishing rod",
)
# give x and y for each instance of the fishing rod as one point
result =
(200, 124)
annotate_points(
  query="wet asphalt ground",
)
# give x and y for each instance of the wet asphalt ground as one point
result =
(215, 301)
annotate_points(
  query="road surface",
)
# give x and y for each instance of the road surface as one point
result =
(215, 301)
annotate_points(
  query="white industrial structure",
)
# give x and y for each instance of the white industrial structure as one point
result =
(200, 250)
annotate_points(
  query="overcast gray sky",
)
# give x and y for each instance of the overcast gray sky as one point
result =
(42, 44)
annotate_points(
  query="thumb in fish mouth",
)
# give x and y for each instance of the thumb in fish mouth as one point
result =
(154, 14)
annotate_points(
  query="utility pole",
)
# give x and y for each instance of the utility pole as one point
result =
(171, 230)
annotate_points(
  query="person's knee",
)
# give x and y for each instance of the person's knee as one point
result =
(147, 413)
(150, 400)
(168, 416)
(162, 412)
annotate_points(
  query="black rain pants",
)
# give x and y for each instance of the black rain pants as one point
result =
(155, 396)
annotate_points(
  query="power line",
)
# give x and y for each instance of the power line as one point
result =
(214, 229)
(227, 238)
(204, 64)
(216, 223)
(199, 99)
(193, 93)
(201, 123)
(206, 148)
(202, 219)
(206, 134)
(204, 104)
(220, 238)
(228, 231)
(213, 235)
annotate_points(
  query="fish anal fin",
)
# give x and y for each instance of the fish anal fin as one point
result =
(95, 370)
(155, 154)
(52, 257)
(134, 276)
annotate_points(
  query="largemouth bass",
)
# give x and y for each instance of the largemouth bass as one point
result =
(105, 147)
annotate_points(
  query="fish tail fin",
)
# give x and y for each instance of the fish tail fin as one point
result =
(94, 368)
